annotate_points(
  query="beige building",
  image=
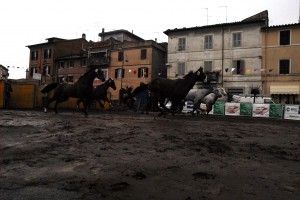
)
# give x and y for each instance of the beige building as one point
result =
(230, 50)
(281, 62)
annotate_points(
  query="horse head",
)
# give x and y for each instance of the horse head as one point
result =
(219, 91)
(201, 76)
(223, 92)
(112, 83)
(100, 74)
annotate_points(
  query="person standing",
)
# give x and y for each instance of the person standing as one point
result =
(44, 99)
(141, 100)
(8, 90)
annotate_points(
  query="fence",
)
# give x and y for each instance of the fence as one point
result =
(278, 111)
(27, 95)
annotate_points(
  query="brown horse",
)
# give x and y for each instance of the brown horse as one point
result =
(100, 92)
(173, 90)
(82, 89)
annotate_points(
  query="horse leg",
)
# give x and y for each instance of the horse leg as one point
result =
(208, 108)
(59, 101)
(55, 107)
(195, 108)
(85, 105)
(78, 103)
(50, 100)
(165, 110)
(101, 105)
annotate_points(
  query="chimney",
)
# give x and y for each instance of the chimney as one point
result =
(102, 36)
(83, 36)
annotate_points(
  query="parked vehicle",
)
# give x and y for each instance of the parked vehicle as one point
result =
(252, 99)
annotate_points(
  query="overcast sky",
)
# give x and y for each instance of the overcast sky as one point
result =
(28, 22)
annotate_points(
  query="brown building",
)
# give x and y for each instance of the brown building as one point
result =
(122, 55)
(3, 73)
(281, 61)
(47, 58)
(135, 62)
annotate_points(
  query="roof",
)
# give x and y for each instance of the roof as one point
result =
(281, 26)
(55, 40)
(4, 68)
(118, 32)
(261, 17)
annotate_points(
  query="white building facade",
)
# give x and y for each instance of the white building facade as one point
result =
(231, 50)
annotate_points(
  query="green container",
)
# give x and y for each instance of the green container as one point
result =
(246, 109)
(219, 108)
(276, 111)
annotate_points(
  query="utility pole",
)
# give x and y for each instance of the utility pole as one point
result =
(226, 11)
(206, 15)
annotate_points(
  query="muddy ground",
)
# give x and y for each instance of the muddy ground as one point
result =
(127, 155)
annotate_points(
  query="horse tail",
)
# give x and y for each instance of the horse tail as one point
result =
(137, 90)
(49, 87)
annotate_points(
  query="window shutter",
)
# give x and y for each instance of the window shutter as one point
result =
(146, 70)
(123, 73)
(116, 73)
(234, 66)
(139, 72)
(242, 67)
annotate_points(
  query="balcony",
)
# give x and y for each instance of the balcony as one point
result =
(98, 61)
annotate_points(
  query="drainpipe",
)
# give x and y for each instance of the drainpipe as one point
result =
(222, 56)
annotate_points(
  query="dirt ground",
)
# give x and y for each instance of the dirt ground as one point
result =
(126, 155)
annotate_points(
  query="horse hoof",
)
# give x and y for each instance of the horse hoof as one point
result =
(45, 110)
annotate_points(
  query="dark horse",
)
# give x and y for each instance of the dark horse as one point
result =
(100, 92)
(82, 89)
(173, 90)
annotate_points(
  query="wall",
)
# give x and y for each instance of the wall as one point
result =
(2, 93)
(273, 52)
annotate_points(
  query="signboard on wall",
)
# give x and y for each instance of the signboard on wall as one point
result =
(37, 76)
(260, 110)
(292, 112)
(232, 109)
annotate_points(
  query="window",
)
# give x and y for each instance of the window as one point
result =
(181, 69)
(70, 79)
(181, 44)
(34, 55)
(285, 37)
(61, 64)
(47, 53)
(121, 56)
(83, 63)
(120, 38)
(208, 41)
(71, 63)
(284, 66)
(33, 70)
(61, 79)
(207, 66)
(143, 72)
(119, 73)
(238, 67)
(47, 70)
(143, 54)
(233, 91)
(237, 39)
(105, 72)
